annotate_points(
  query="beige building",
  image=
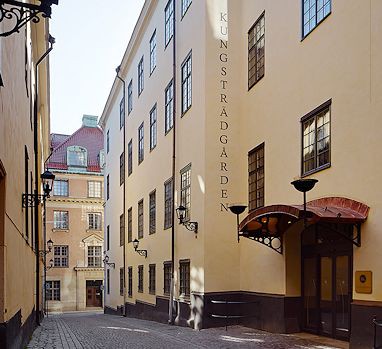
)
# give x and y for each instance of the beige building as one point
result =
(258, 94)
(24, 145)
(75, 219)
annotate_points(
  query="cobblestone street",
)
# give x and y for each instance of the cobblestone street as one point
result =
(96, 330)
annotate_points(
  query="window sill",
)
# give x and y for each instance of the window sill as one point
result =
(55, 230)
(318, 169)
(94, 230)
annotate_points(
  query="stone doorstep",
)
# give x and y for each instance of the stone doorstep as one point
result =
(330, 342)
(87, 310)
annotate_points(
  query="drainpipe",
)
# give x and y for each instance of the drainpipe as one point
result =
(37, 176)
(124, 189)
(171, 302)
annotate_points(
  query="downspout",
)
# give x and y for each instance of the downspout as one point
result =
(124, 189)
(171, 302)
(37, 176)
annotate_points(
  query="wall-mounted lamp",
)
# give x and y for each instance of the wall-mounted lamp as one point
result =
(181, 214)
(21, 13)
(140, 252)
(237, 209)
(106, 261)
(49, 245)
(51, 264)
(32, 200)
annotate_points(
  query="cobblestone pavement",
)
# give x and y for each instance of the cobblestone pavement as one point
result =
(96, 330)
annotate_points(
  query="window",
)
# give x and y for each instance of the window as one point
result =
(140, 219)
(256, 177)
(122, 168)
(108, 238)
(316, 139)
(314, 12)
(140, 76)
(108, 281)
(169, 107)
(107, 187)
(130, 224)
(140, 278)
(94, 221)
(101, 158)
(130, 158)
(121, 277)
(140, 144)
(166, 277)
(152, 213)
(184, 271)
(107, 141)
(153, 51)
(61, 256)
(153, 127)
(94, 189)
(185, 5)
(121, 113)
(152, 278)
(186, 84)
(130, 281)
(168, 204)
(61, 187)
(77, 156)
(121, 229)
(256, 51)
(169, 21)
(130, 97)
(53, 291)
(185, 189)
(94, 256)
(60, 219)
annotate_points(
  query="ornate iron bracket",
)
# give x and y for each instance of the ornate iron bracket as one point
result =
(142, 252)
(273, 242)
(355, 239)
(110, 264)
(191, 226)
(21, 13)
(30, 200)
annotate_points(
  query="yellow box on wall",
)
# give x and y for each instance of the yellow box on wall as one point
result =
(363, 281)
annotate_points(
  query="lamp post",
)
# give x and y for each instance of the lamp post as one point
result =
(237, 209)
(140, 252)
(181, 214)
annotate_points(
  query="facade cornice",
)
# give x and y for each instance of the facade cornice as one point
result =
(84, 269)
(77, 200)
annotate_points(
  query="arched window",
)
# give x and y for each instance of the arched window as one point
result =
(77, 156)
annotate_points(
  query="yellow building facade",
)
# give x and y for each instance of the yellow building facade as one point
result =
(265, 93)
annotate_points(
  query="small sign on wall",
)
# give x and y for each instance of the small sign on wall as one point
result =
(363, 281)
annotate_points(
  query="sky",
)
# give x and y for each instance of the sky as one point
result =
(91, 38)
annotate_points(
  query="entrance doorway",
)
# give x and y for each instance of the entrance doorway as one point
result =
(327, 280)
(93, 293)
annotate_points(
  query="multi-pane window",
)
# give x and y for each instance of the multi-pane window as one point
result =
(185, 189)
(61, 220)
(107, 187)
(107, 141)
(184, 271)
(169, 21)
(53, 290)
(122, 168)
(121, 277)
(108, 281)
(153, 127)
(140, 76)
(167, 277)
(186, 83)
(122, 113)
(256, 51)
(77, 156)
(121, 229)
(94, 256)
(130, 224)
(140, 219)
(168, 204)
(130, 97)
(169, 107)
(152, 278)
(256, 177)
(153, 51)
(108, 238)
(130, 281)
(61, 187)
(152, 212)
(185, 5)
(314, 12)
(130, 158)
(61, 256)
(94, 221)
(140, 278)
(316, 139)
(94, 189)
(140, 144)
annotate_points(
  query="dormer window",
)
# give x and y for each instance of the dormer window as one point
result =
(77, 156)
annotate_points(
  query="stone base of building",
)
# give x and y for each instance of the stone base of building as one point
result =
(14, 335)
(112, 311)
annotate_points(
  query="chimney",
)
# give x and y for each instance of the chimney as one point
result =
(89, 120)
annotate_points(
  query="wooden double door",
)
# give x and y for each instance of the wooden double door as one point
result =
(93, 293)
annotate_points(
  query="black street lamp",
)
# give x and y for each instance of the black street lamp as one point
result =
(181, 214)
(106, 261)
(237, 209)
(140, 252)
